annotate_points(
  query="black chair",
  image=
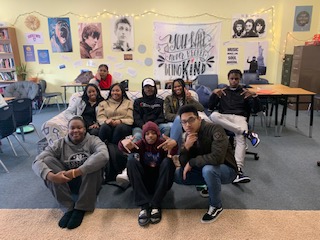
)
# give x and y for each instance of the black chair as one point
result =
(22, 110)
(209, 80)
(8, 127)
(125, 84)
(47, 96)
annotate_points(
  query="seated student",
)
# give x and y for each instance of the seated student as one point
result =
(206, 158)
(147, 108)
(102, 79)
(86, 106)
(73, 165)
(150, 172)
(115, 115)
(234, 104)
(179, 97)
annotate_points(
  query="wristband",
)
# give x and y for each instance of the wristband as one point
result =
(73, 173)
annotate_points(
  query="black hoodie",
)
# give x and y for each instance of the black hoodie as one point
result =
(148, 108)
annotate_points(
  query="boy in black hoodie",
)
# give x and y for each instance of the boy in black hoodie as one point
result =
(150, 172)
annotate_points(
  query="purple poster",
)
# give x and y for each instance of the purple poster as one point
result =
(29, 53)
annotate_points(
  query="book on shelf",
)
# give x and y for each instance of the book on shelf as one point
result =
(6, 63)
(4, 34)
(5, 48)
(7, 76)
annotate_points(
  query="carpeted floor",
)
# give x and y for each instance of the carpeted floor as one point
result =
(176, 224)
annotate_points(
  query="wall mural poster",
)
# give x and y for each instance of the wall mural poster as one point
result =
(60, 34)
(122, 37)
(90, 40)
(248, 26)
(185, 50)
(29, 55)
(256, 57)
(302, 19)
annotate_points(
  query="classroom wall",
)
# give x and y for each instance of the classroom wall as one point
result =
(281, 14)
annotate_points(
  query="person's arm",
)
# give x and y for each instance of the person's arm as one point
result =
(196, 104)
(214, 100)
(72, 109)
(138, 121)
(128, 118)
(99, 157)
(160, 118)
(169, 115)
(101, 113)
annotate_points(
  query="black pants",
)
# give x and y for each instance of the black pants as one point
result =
(150, 185)
(114, 134)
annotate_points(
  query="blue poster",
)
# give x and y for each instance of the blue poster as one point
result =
(302, 19)
(43, 56)
(29, 53)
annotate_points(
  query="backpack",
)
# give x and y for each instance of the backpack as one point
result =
(84, 77)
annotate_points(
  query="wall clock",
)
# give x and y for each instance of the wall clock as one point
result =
(32, 22)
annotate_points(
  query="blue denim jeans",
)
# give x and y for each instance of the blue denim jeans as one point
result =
(212, 176)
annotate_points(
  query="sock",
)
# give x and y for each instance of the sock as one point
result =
(65, 219)
(76, 219)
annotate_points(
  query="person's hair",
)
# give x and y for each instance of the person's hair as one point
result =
(85, 97)
(252, 22)
(261, 22)
(103, 65)
(183, 84)
(121, 20)
(123, 91)
(239, 21)
(235, 71)
(90, 30)
(77, 118)
(187, 109)
(63, 28)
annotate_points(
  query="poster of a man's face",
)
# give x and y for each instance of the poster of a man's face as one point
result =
(60, 34)
(123, 34)
(247, 26)
(90, 40)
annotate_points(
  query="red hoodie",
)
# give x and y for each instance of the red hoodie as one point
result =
(105, 84)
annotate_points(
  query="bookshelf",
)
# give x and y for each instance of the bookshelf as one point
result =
(9, 54)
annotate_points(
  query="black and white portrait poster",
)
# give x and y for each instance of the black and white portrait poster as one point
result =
(90, 40)
(185, 50)
(248, 26)
(122, 34)
(302, 18)
(60, 34)
(256, 57)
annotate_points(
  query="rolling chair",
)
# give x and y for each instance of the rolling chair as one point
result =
(47, 96)
(22, 110)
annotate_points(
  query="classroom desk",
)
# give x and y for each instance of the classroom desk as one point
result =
(74, 85)
(278, 91)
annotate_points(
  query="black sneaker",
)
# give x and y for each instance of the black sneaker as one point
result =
(211, 215)
(204, 192)
(155, 215)
(254, 138)
(144, 217)
(241, 178)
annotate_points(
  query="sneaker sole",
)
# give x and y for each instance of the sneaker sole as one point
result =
(257, 143)
(216, 217)
(242, 181)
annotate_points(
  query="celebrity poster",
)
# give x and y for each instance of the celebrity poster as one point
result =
(90, 40)
(249, 26)
(60, 34)
(256, 57)
(122, 37)
(302, 19)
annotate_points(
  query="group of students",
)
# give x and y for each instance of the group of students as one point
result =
(74, 164)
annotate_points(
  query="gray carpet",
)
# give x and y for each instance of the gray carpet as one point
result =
(285, 177)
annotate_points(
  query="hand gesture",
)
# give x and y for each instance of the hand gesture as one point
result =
(95, 125)
(219, 92)
(128, 144)
(187, 93)
(168, 145)
(187, 168)
(97, 76)
(59, 177)
(190, 140)
(248, 93)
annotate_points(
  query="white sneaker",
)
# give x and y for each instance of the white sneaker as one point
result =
(123, 178)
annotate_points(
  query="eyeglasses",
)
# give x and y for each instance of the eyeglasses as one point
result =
(190, 120)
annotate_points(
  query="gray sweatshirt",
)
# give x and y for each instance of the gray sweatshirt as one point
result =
(89, 156)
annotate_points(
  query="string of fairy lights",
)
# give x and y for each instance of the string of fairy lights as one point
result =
(106, 13)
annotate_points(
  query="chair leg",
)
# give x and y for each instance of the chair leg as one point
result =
(14, 151)
(43, 102)
(35, 129)
(57, 103)
(65, 104)
(4, 166)
(22, 133)
(15, 135)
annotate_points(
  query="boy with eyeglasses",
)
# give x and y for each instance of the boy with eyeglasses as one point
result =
(206, 158)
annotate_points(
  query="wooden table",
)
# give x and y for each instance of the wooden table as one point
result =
(281, 91)
(74, 85)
